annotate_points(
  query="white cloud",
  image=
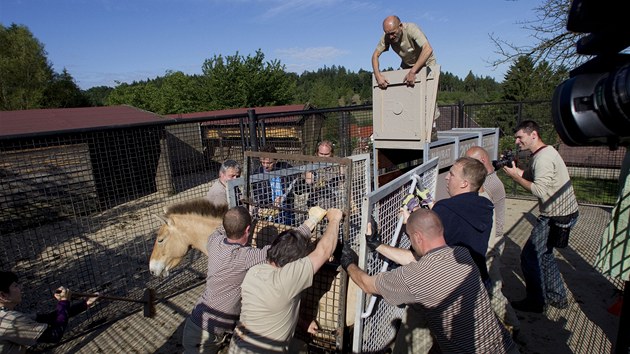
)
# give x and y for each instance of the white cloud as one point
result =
(282, 7)
(314, 54)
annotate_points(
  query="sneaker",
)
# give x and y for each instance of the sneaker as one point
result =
(526, 305)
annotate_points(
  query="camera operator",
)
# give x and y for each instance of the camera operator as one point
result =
(548, 179)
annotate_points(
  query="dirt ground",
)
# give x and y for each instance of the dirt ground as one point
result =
(584, 327)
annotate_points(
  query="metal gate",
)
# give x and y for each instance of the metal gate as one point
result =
(376, 322)
(306, 181)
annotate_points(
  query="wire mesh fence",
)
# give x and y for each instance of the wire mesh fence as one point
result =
(77, 207)
(279, 191)
(376, 322)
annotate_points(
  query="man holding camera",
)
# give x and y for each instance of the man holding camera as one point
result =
(547, 178)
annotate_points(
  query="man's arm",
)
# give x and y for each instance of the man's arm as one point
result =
(349, 260)
(373, 241)
(364, 281)
(399, 255)
(315, 215)
(328, 242)
(516, 174)
(427, 50)
(380, 79)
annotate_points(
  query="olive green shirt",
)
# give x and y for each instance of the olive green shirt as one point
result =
(410, 46)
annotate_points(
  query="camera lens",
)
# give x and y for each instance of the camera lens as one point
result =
(594, 109)
(612, 94)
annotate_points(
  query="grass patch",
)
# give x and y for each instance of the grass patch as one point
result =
(587, 190)
(595, 191)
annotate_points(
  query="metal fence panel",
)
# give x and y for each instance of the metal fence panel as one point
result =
(328, 187)
(376, 322)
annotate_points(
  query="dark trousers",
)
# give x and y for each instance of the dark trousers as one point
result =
(543, 281)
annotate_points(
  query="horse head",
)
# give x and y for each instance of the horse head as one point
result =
(169, 248)
(186, 225)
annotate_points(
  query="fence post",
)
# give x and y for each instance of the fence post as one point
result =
(460, 114)
(164, 175)
(344, 133)
(253, 138)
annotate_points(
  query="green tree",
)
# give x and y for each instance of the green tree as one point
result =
(98, 95)
(526, 82)
(63, 92)
(471, 89)
(334, 86)
(450, 82)
(237, 81)
(24, 69)
(137, 94)
(173, 93)
(518, 84)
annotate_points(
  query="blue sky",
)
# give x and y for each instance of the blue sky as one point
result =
(101, 42)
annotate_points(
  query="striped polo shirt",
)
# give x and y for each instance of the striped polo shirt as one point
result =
(445, 284)
(219, 307)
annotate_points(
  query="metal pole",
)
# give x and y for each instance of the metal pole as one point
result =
(241, 125)
(253, 138)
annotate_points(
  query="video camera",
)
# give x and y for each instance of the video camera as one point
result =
(593, 106)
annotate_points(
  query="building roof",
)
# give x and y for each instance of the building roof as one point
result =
(592, 156)
(35, 121)
(243, 111)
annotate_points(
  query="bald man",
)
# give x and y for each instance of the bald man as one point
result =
(494, 190)
(411, 45)
(414, 50)
(443, 283)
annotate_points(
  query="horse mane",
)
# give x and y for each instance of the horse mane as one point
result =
(200, 206)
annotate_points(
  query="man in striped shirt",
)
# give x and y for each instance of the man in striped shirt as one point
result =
(442, 285)
(229, 257)
(494, 190)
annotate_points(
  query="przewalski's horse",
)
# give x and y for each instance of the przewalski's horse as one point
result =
(185, 225)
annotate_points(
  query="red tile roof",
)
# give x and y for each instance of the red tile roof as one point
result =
(237, 111)
(242, 111)
(35, 121)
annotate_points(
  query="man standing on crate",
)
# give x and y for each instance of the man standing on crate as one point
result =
(413, 48)
(411, 45)
(547, 178)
